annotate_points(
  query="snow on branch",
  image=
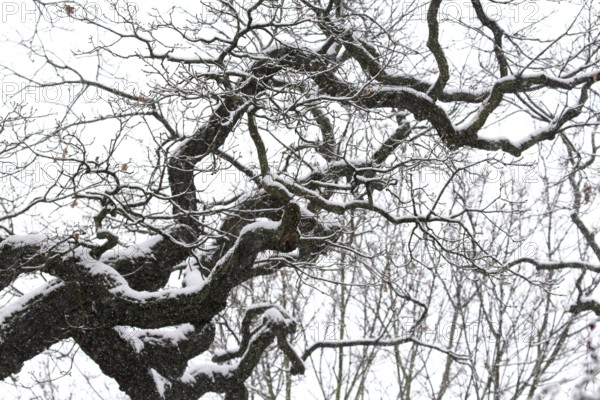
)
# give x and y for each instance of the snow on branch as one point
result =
(555, 265)
(338, 344)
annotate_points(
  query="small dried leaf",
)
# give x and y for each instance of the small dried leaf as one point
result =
(368, 91)
(587, 193)
(70, 10)
(124, 167)
(74, 203)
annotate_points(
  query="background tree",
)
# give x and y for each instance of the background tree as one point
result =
(398, 212)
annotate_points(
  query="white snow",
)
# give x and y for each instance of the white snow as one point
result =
(271, 180)
(273, 316)
(264, 224)
(193, 277)
(23, 240)
(177, 147)
(142, 249)
(403, 89)
(19, 304)
(518, 140)
(208, 369)
(138, 338)
(160, 381)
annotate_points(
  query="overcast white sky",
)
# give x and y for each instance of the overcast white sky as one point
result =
(17, 21)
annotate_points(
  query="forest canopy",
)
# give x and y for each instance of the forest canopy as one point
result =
(300, 199)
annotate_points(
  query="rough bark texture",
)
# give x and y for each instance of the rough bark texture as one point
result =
(95, 289)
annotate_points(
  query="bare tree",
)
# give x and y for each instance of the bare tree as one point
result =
(221, 177)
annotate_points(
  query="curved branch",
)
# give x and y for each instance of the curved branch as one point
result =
(434, 46)
(498, 35)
